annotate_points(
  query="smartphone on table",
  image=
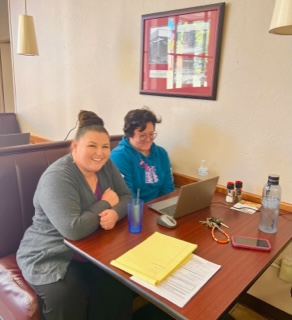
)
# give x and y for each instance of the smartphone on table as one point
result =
(250, 243)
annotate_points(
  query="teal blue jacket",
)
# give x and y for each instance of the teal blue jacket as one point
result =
(151, 174)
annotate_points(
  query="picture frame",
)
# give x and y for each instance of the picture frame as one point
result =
(180, 52)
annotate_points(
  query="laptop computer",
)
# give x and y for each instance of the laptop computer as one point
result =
(192, 197)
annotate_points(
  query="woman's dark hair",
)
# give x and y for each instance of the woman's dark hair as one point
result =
(89, 121)
(138, 119)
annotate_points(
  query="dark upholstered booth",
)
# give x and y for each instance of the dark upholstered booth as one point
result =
(10, 134)
(9, 123)
(14, 139)
(20, 170)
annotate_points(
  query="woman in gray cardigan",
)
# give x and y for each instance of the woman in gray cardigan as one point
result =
(76, 195)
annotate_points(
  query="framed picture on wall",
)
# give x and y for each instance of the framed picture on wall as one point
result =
(180, 52)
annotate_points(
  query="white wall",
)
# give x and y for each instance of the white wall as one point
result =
(90, 59)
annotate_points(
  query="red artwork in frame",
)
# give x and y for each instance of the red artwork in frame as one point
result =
(180, 52)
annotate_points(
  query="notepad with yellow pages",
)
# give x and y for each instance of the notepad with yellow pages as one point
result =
(154, 259)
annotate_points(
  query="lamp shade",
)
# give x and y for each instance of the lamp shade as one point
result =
(27, 44)
(282, 18)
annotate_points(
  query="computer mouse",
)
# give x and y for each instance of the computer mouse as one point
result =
(166, 221)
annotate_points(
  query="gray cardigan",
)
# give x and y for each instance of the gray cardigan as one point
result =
(65, 206)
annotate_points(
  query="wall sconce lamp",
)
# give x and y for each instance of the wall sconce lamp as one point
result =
(26, 43)
(282, 18)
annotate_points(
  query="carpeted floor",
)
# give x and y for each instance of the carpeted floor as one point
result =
(147, 311)
(239, 312)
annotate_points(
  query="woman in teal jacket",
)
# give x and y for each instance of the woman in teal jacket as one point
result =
(144, 165)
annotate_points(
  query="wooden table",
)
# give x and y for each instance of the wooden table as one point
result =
(240, 268)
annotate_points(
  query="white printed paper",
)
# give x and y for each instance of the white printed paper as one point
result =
(179, 287)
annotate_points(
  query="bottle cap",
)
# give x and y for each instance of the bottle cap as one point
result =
(230, 185)
(238, 184)
(273, 179)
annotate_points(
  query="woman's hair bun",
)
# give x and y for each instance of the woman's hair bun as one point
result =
(89, 118)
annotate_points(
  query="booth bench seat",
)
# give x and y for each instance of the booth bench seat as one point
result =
(20, 170)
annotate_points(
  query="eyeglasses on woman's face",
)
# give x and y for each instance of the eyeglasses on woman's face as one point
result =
(144, 136)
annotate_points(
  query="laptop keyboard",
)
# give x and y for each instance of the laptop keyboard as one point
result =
(169, 210)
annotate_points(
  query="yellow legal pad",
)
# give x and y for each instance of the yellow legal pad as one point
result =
(155, 258)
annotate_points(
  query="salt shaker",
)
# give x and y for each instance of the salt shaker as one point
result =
(230, 192)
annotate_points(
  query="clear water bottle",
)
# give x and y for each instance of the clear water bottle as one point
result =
(203, 170)
(270, 205)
